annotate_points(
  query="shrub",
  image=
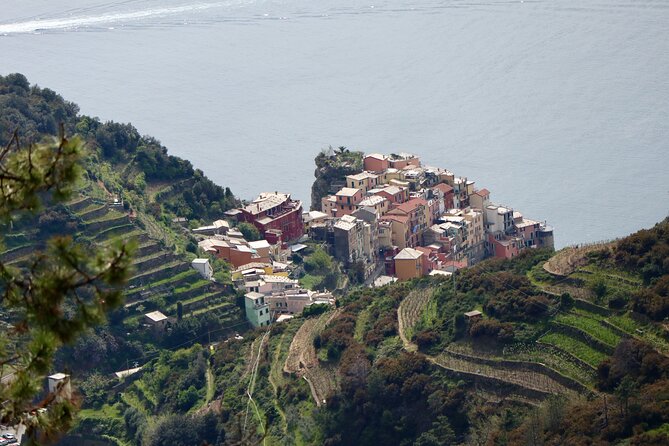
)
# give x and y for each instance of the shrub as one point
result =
(492, 328)
(426, 338)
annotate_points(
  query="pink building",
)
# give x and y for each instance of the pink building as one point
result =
(394, 194)
(347, 200)
(444, 194)
(375, 162)
(504, 247)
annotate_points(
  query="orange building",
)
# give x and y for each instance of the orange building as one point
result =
(409, 264)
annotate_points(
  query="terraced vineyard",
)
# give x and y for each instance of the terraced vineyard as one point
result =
(303, 361)
(506, 372)
(535, 379)
(160, 277)
(579, 349)
(591, 327)
(570, 259)
(409, 312)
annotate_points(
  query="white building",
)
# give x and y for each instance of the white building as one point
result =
(59, 385)
(203, 267)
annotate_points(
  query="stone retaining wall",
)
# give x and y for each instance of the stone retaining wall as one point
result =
(526, 365)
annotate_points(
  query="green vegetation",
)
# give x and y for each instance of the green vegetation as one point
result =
(331, 170)
(62, 292)
(577, 348)
(249, 231)
(125, 188)
(591, 326)
(321, 271)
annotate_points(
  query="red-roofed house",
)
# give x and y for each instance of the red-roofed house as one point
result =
(394, 194)
(505, 247)
(418, 213)
(444, 194)
(479, 199)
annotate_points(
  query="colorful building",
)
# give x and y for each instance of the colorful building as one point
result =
(417, 211)
(375, 162)
(347, 200)
(409, 264)
(276, 211)
(257, 310)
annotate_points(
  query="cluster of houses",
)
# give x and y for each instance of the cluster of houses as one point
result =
(262, 268)
(397, 219)
(417, 219)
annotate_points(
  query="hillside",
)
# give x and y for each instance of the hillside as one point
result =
(556, 348)
(130, 189)
(402, 365)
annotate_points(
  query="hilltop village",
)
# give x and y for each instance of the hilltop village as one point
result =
(394, 220)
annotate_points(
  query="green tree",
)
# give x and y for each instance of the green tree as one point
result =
(180, 311)
(249, 231)
(60, 293)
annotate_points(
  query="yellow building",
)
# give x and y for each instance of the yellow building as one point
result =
(409, 264)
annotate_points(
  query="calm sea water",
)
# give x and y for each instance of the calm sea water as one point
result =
(560, 108)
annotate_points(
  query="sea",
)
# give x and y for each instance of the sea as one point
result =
(559, 107)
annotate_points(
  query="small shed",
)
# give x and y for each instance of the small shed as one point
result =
(473, 316)
(157, 320)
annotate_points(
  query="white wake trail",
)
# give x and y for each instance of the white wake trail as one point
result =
(84, 21)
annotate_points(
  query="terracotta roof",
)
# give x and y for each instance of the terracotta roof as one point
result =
(482, 192)
(445, 188)
(424, 250)
(411, 205)
(400, 218)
